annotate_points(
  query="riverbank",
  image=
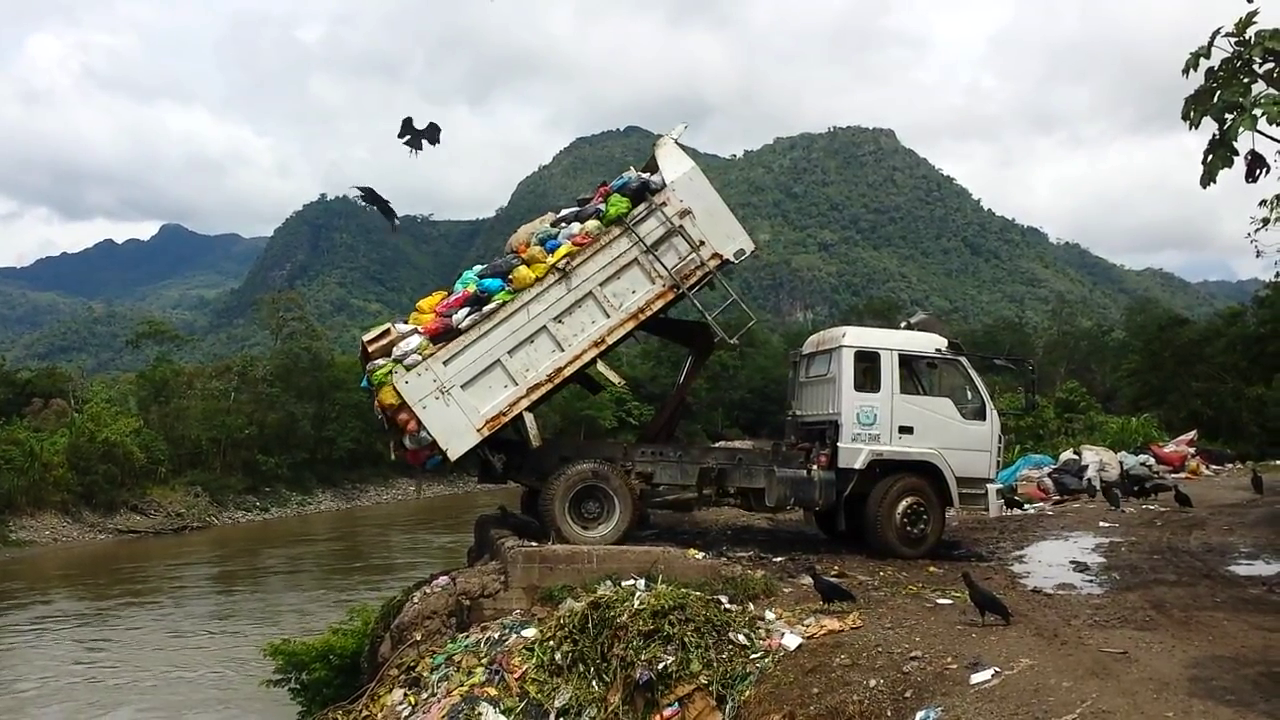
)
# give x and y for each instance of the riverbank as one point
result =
(167, 513)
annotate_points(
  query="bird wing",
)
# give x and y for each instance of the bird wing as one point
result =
(432, 133)
(406, 127)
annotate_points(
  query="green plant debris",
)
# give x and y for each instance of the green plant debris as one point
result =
(622, 650)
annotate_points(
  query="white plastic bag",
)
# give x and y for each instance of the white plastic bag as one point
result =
(406, 347)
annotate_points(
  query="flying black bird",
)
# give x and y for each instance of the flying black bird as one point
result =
(520, 525)
(1159, 487)
(370, 197)
(413, 137)
(985, 601)
(1255, 480)
(1183, 499)
(1091, 490)
(829, 590)
(1113, 497)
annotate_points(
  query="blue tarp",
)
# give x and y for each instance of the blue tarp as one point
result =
(1009, 475)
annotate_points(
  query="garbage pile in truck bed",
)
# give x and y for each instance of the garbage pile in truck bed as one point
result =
(441, 316)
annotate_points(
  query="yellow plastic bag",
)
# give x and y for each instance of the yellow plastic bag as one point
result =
(533, 256)
(522, 278)
(540, 270)
(421, 318)
(561, 253)
(388, 397)
(593, 228)
(429, 303)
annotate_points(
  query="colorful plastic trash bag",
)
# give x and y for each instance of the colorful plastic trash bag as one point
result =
(522, 278)
(373, 365)
(461, 316)
(590, 212)
(540, 270)
(568, 231)
(581, 241)
(593, 228)
(489, 287)
(420, 318)
(500, 268)
(440, 331)
(543, 234)
(467, 279)
(503, 296)
(551, 246)
(561, 253)
(388, 397)
(534, 255)
(453, 303)
(406, 347)
(616, 208)
(428, 304)
(382, 376)
(622, 181)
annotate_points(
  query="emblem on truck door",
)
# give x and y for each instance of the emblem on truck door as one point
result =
(868, 419)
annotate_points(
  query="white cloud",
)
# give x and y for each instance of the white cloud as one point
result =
(121, 115)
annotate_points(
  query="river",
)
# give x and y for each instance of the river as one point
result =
(171, 627)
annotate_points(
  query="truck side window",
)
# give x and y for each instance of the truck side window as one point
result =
(942, 377)
(817, 365)
(866, 372)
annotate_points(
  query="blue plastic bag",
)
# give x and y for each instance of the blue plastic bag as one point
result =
(1009, 475)
(490, 287)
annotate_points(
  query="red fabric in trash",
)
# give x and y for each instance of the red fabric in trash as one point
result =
(438, 327)
(417, 457)
(1175, 459)
(581, 240)
(602, 192)
(453, 303)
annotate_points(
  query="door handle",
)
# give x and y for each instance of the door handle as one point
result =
(906, 430)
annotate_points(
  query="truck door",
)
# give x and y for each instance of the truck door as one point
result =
(867, 416)
(938, 404)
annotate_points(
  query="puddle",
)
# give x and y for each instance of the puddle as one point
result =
(1065, 564)
(1264, 567)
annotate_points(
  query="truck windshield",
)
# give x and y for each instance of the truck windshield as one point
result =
(942, 377)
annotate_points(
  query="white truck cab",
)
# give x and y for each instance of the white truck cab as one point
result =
(912, 427)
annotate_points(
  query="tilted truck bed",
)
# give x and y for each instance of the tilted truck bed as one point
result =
(590, 301)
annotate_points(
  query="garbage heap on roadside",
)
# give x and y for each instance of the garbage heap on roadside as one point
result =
(634, 649)
(440, 317)
(1041, 477)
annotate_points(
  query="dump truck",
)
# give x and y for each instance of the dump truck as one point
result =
(887, 429)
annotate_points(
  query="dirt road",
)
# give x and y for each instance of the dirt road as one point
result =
(1198, 641)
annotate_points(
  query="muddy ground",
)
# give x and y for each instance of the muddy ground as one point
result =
(1198, 641)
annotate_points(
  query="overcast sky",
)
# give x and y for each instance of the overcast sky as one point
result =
(226, 116)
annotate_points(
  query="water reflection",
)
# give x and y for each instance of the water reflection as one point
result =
(170, 627)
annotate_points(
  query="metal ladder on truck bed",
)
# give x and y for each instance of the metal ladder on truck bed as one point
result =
(708, 278)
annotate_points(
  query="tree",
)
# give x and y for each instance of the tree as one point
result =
(1239, 91)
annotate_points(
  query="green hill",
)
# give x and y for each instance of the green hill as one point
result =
(839, 217)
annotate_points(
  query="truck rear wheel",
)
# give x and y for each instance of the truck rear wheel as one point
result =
(589, 502)
(904, 516)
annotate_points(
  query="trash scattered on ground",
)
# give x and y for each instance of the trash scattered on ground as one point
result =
(634, 649)
(933, 712)
(944, 601)
(1113, 651)
(1105, 524)
(1054, 565)
(1259, 567)
(1088, 469)
(536, 250)
(982, 676)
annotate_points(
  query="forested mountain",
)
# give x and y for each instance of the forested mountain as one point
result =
(839, 217)
(174, 273)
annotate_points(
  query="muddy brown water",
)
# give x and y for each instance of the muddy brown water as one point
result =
(171, 627)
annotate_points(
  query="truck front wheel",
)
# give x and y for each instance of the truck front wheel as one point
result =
(904, 516)
(588, 502)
